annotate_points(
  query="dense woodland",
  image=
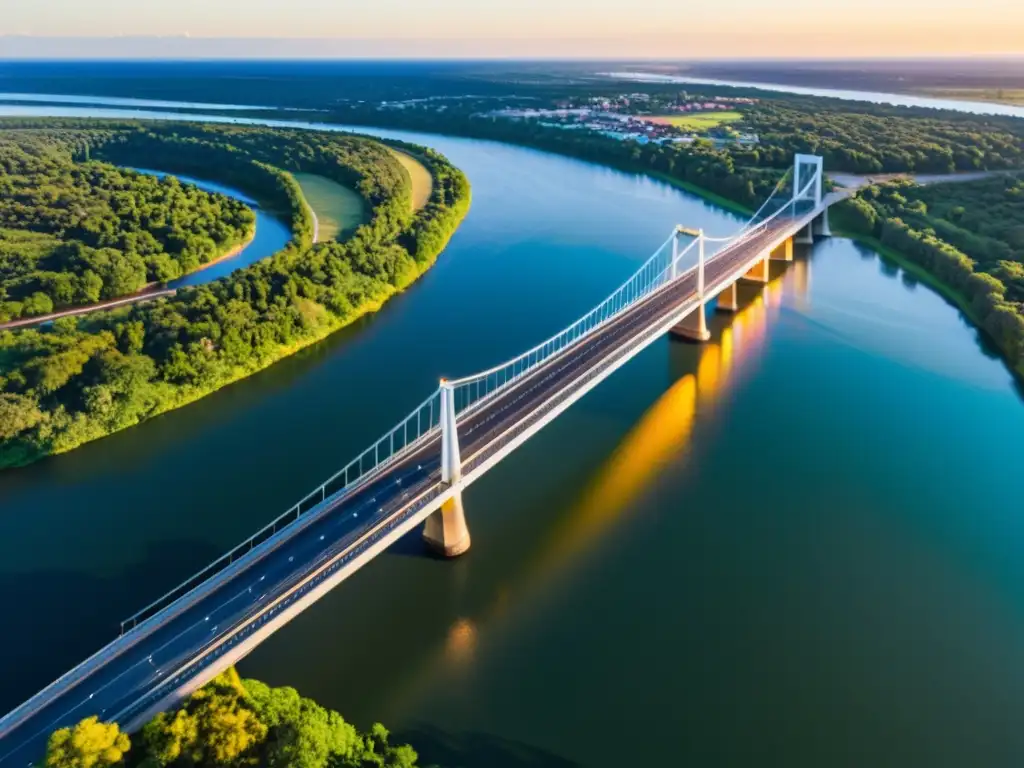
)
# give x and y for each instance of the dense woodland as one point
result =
(868, 138)
(231, 723)
(84, 378)
(968, 235)
(854, 138)
(74, 233)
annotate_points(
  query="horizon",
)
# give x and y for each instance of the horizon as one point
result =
(77, 53)
(527, 29)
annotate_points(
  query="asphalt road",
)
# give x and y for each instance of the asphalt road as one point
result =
(125, 682)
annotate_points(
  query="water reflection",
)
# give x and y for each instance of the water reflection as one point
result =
(657, 444)
(461, 642)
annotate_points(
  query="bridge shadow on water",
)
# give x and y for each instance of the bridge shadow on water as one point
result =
(476, 750)
(412, 545)
(83, 612)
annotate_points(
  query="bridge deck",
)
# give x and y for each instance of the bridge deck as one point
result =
(220, 622)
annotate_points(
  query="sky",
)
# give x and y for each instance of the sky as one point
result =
(510, 28)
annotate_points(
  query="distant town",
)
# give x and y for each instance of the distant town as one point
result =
(639, 117)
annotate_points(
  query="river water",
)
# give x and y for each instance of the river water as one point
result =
(874, 97)
(270, 237)
(798, 545)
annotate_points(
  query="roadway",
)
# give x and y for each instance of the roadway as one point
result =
(164, 653)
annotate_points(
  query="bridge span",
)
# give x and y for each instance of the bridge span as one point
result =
(415, 473)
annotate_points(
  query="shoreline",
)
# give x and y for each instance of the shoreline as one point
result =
(149, 292)
(933, 283)
(455, 213)
(233, 251)
(370, 307)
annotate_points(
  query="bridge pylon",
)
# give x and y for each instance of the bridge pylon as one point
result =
(446, 532)
(694, 326)
(808, 173)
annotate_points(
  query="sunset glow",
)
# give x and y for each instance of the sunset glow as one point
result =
(542, 28)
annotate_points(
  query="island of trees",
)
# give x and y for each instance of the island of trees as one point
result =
(74, 233)
(84, 378)
(230, 723)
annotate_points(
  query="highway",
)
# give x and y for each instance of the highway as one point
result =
(132, 675)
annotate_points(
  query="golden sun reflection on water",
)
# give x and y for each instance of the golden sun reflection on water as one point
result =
(659, 438)
(662, 434)
(461, 641)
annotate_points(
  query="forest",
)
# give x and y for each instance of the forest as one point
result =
(854, 138)
(84, 378)
(968, 235)
(73, 233)
(230, 723)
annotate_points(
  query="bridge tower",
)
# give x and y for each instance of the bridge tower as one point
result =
(446, 532)
(693, 327)
(808, 178)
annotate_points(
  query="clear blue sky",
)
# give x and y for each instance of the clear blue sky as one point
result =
(654, 28)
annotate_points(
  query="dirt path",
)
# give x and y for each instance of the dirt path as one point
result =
(146, 295)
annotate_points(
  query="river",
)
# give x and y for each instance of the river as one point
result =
(270, 237)
(799, 544)
(845, 94)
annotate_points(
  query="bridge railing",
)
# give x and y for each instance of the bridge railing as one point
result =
(414, 430)
(664, 266)
(472, 391)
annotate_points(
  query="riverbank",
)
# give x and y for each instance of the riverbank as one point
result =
(148, 293)
(568, 531)
(258, 315)
(926, 278)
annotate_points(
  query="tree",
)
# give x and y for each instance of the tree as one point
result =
(17, 414)
(215, 727)
(89, 744)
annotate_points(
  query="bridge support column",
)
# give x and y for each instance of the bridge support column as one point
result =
(806, 235)
(784, 252)
(693, 327)
(446, 532)
(820, 225)
(728, 300)
(759, 272)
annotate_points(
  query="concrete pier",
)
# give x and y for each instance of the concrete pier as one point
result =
(784, 252)
(728, 300)
(693, 327)
(759, 272)
(806, 235)
(820, 225)
(446, 532)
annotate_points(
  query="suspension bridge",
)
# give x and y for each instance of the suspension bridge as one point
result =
(414, 474)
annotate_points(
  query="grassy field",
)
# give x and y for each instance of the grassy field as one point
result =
(339, 209)
(697, 121)
(422, 184)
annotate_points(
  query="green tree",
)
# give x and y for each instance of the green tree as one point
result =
(18, 413)
(89, 744)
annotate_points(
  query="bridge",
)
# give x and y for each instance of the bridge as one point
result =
(413, 474)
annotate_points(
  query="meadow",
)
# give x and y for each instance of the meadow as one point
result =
(422, 183)
(698, 121)
(338, 209)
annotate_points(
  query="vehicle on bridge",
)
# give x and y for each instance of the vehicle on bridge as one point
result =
(414, 474)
